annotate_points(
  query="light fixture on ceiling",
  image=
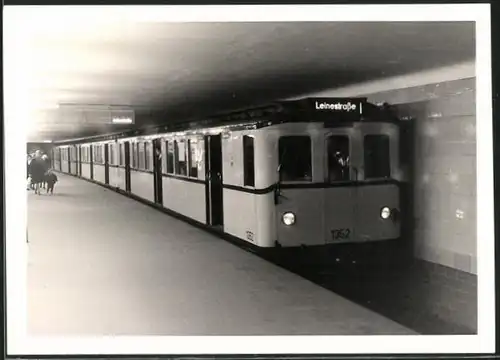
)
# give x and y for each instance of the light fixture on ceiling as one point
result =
(122, 120)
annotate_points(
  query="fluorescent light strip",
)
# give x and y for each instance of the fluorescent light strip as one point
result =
(121, 120)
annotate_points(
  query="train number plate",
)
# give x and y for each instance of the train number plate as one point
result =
(250, 236)
(340, 234)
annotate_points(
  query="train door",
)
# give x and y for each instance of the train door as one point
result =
(91, 153)
(214, 181)
(80, 160)
(106, 164)
(157, 170)
(127, 166)
(74, 168)
(69, 159)
(53, 158)
(60, 158)
(340, 190)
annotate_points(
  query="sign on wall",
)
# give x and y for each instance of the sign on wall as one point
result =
(122, 117)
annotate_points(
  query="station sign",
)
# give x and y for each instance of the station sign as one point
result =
(122, 117)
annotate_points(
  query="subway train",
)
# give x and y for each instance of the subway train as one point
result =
(314, 172)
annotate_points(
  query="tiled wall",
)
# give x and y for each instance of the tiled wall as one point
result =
(444, 193)
(444, 169)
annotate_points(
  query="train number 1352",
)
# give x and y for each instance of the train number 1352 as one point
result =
(340, 234)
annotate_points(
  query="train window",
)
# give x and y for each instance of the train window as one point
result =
(248, 161)
(295, 158)
(133, 155)
(146, 155)
(141, 156)
(122, 154)
(120, 157)
(147, 150)
(337, 148)
(180, 157)
(136, 155)
(192, 159)
(111, 153)
(170, 157)
(136, 152)
(377, 157)
(163, 158)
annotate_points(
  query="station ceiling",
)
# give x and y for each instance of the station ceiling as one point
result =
(176, 71)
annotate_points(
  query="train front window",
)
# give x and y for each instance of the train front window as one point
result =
(377, 156)
(180, 157)
(295, 158)
(337, 148)
(248, 161)
(170, 157)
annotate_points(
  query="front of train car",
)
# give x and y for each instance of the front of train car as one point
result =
(339, 176)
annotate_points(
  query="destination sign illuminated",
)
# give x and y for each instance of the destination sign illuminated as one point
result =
(338, 106)
(121, 120)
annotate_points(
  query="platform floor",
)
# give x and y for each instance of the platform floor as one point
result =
(103, 264)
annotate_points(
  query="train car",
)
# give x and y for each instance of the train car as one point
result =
(309, 173)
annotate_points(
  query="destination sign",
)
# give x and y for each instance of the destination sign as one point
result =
(338, 105)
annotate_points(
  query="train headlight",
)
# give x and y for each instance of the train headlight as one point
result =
(385, 213)
(288, 218)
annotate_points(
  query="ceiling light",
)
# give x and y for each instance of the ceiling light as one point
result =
(121, 120)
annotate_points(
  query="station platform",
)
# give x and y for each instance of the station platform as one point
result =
(103, 264)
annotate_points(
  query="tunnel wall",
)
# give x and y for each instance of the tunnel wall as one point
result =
(443, 229)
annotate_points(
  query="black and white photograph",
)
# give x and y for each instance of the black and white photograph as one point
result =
(249, 179)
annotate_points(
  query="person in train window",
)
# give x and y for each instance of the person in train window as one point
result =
(338, 167)
(158, 153)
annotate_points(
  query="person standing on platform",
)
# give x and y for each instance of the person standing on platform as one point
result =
(37, 168)
(28, 173)
(46, 166)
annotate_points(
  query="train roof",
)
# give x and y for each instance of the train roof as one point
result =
(333, 111)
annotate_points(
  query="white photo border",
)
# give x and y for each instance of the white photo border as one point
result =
(19, 342)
